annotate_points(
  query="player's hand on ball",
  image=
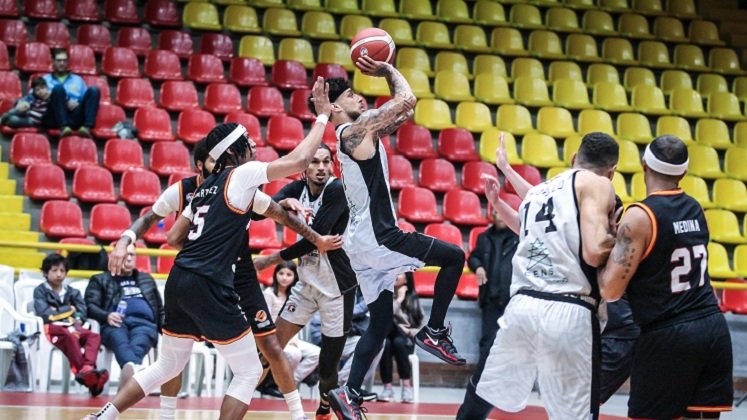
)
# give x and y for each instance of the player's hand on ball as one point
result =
(371, 67)
(320, 97)
(329, 243)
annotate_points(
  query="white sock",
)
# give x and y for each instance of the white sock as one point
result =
(294, 404)
(109, 412)
(168, 408)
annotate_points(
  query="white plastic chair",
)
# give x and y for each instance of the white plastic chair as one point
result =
(415, 364)
(11, 320)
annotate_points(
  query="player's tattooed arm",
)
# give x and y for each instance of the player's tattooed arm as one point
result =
(633, 236)
(323, 242)
(119, 254)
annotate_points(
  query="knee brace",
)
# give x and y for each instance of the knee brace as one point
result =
(174, 355)
(242, 358)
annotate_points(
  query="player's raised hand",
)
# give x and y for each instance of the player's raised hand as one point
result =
(320, 97)
(492, 187)
(118, 256)
(371, 67)
(501, 157)
(329, 243)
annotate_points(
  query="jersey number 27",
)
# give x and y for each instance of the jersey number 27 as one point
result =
(680, 274)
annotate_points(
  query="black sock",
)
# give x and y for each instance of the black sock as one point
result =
(473, 407)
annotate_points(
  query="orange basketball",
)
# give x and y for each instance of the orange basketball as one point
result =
(373, 42)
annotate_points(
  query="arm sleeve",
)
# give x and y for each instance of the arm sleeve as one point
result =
(261, 202)
(169, 201)
(244, 181)
(475, 259)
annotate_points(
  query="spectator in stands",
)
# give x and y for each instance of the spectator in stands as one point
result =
(63, 310)
(408, 320)
(130, 311)
(72, 105)
(29, 110)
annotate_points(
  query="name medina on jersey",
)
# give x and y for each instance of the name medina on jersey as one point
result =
(686, 226)
(205, 192)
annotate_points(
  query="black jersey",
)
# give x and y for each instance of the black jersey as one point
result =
(187, 188)
(672, 282)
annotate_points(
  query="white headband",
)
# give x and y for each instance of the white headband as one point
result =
(224, 144)
(662, 167)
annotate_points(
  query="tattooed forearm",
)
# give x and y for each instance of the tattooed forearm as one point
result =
(398, 85)
(282, 216)
(142, 224)
(624, 250)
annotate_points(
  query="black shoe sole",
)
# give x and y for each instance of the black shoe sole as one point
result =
(437, 353)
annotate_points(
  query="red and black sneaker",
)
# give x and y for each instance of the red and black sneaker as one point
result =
(439, 344)
(87, 377)
(346, 404)
(98, 387)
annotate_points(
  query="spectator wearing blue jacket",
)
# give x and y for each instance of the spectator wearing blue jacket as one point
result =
(72, 104)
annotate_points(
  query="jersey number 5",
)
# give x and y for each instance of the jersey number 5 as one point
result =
(198, 220)
(685, 256)
(544, 215)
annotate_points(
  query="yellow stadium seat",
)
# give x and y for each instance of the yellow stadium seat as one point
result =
(226, 2)
(379, 8)
(400, 31)
(489, 13)
(561, 19)
(419, 83)
(332, 52)
(540, 150)
(433, 35)
(590, 120)
(453, 11)
(473, 116)
(571, 94)
(531, 92)
(740, 260)
(369, 85)
(4, 169)
(725, 61)
(598, 22)
(555, 122)
(712, 132)
(621, 189)
(342, 7)
(280, 22)
(614, 5)
(259, 47)
(414, 58)
(570, 147)
(297, 49)
(704, 32)
(734, 163)
(718, 262)
(319, 25)
(15, 221)
(508, 41)
(630, 158)
(711, 83)
(618, 51)
(489, 141)
(201, 16)
(739, 88)
(724, 105)
(676, 126)
(654, 54)
(546, 45)
(416, 10)
(564, 70)
(704, 162)
(669, 29)
(740, 135)
(432, 114)
(610, 97)
(649, 100)
(21, 258)
(514, 118)
(241, 19)
(11, 204)
(638, 187)
(555, 171)
(352, 24)
(601, 73)
(525, 16)
(527, 67)
(697, 188)
(675, 79)
(682, 8)
(635, 76)
(452, 61)
(305, 5)
(634, 26)
(19, 236)
(490, 64)
(7, 186)
(648, 7)
(687, 102)
(582, 47)
(689, 57)
(452, 86)
(580, 4)
(729, 194)
(492, 90)
(634, 127)
(267, 3)
(724, 227)
(471, 38)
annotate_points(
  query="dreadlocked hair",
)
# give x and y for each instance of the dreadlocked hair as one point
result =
(238, 149)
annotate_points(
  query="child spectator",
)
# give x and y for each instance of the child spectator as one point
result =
(29, 110)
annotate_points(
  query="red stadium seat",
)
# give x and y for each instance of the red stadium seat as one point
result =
(284, 132)
(54, 34)
(471, 173)
(107, 116)
(45, 182)
(467, 288)
(222, 98)
(194, 124)
(136, 39)
(425, 283)
(13, 32)
(97, 37)
(400, 173)
(511, 199)
(142, 262)
(77, 241)
(41, 9)
(93, 184)
(82, 60)
(121, 11)
(273, 187)
(178, 95)
(530, 173)
(178, 176)
(405, 226)
(473, 234)
(299, 105)
(330, 137)
(103, 85)
(123, 155)
(162, 13)
(163, 65)
(157, 233)
(217, 44)
(437, 175)
(120, 62)
(81, 10)
(8, 8)
(61, 219)
(108, 221)
(328, 71)
(265, 101)
(153, 124)
(140, 188)
(28, 149)
(34, 57)
(287, 74)
(4, 58)
(415, 142)
(247, 71)
(167, 158)
(290, 237)
(457, 145)
(265, 276)
(463, 208)
(418, 205)
(10, 86)
(135, 93)
(445, 232)
(163, 262)
(266, 154)
(735, 301)
(73, 152)
(178, 42)
(263, 234)
(205, 68)
(250, 122)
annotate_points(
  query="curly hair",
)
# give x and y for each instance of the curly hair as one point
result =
(239, 148)
(598, 150)
(337, 86)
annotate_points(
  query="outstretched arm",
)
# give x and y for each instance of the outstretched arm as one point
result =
(521, 185)
(507, 213)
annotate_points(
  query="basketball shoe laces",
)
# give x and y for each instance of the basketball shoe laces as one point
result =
(444, 336)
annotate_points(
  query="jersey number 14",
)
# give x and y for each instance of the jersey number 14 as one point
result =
(680, 274)
(545, 214)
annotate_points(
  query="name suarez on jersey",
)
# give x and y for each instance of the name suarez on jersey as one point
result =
(205, 192)
(686, 226)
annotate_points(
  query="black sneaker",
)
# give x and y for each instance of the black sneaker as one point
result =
(368, 396)
(439, 344)
(345, 403)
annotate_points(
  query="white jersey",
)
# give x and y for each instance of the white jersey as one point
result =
(548, 258)
(315, 267)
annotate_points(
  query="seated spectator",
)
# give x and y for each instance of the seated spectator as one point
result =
(63, 310)
(72, 105)
(130, 311)
(408, 320)
(29, 110)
